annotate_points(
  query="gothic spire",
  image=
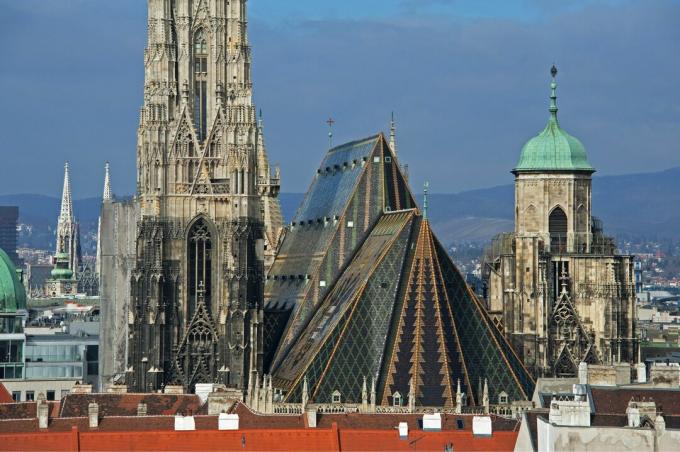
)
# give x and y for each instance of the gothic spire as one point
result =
(393, 135)
(66, 214)
(107, 184)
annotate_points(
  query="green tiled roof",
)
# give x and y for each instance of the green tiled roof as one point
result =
(553, 149)
(12, 293)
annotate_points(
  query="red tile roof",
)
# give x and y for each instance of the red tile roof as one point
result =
(5, 396)
(331, 439)
(119, 428)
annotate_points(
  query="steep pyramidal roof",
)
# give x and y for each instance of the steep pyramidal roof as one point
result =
(401, 314)
(355, 183)
(362, 290)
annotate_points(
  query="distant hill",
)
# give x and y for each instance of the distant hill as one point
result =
(636, 206)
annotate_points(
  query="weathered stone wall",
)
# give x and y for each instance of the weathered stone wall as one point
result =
(117, 247)
(554, 438)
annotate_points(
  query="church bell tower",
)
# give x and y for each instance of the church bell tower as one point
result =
(206, 199)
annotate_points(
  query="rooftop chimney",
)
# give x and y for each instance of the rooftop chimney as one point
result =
(141, 409)
(93, 414)
(43, 412)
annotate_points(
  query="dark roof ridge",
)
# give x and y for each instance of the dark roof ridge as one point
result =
(355, 142)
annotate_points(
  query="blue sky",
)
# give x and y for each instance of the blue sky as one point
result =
(468, 81)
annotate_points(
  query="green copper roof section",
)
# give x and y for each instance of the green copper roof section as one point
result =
(12, 293)
(553, 149)
(61, 270)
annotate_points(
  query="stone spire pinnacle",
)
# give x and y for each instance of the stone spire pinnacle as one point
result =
(553, 94)
(66, 214)
(393, 134)
(107, 184)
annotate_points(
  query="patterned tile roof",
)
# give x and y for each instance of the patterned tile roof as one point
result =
(401, 313)
(355, 183)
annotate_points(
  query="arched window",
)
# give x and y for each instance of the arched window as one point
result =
(557, 225)
(200, 83)
(199, 265)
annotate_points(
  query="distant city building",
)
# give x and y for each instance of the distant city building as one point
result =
(604, 409)
(67, 257)
(557, 286)
(9, 219)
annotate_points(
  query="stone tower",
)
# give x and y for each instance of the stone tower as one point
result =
(204, 190)
(557, 286)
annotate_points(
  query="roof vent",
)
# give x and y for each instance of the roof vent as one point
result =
(228, 421)
(184, 423)
(481, 426)
(432, 422)
(403, 430)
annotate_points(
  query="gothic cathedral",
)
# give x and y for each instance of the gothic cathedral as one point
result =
(557, 286)
(209, 217)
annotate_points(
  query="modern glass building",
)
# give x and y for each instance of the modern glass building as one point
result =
(12, 318)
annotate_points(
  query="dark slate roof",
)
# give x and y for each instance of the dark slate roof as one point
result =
(355, 183)
(21, 410)
(400, 309)
(321, 335)
(76, 405)
(613, 400)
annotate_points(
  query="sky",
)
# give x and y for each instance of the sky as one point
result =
(468, 82)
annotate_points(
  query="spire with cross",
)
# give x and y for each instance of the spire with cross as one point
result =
(330, 123)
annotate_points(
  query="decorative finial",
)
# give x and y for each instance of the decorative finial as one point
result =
(553, 93)
(330, 123)
(393, 135)
(426, 190)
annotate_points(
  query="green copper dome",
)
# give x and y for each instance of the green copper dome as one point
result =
(61, 270)
(12, 293)
(553, 149)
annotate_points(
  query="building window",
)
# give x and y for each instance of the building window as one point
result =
(200, 83)
(199, 264)
(50, 395)
(557, 225)
(336, 397)
(503, 398)
(30, 396)
(16, 396)
(396, 399)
